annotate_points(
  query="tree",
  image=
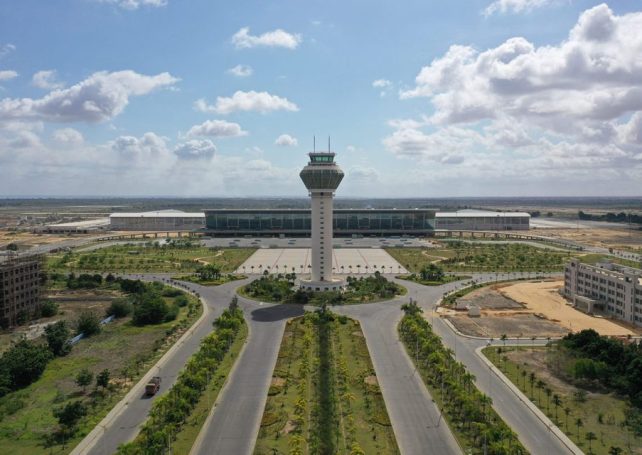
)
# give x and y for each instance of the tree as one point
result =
(102, 379)
(22, 364)
(69, 415)
(48, 309)
(84, 378)
(57, 336)
(615, 450)
(12, 247)
(88, 323)
(590, 437)
(557, 401)
(567, 412)
(151, 309)
(119, 309)
(579, 423)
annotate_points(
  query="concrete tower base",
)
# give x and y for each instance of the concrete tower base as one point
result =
(334, 284)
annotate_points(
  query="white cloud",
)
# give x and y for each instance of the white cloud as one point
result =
(381, 83)
(241, 71)
(276, 38)
(68, 136)
(217, 128)
(150, 147)
(6, 49)
(195, 150)
(367, 173)
(247, 101)
(6, 75)
(135, 4)
(285, 140)
(46, 79)
(100, 97)
(514, 6)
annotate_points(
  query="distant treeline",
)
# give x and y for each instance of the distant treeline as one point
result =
(612, 217)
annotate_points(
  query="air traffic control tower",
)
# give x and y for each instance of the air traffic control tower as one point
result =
(321, 177)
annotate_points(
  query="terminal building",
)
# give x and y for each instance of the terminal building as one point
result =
(298, 222)
(162, 220)
(610, 288)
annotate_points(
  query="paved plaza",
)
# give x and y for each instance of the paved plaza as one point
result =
(345, 261)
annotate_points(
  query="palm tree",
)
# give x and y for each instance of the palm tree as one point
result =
(540, 385)
(615, 451)
(531, 380)
(252, 267)
(523, 373)
(557, 401)
(567, 411)
(548, 392)
(590, 437)
(503, 338)
(578, 423)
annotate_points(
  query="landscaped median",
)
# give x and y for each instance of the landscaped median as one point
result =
(469, 413)
(324, 396)
(176, 417)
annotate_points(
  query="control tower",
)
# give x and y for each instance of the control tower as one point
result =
(321, 177)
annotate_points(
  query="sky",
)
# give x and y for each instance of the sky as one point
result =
(421, 98)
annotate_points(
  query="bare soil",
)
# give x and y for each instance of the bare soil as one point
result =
(371, 380)
(510, 324)
(489, 298)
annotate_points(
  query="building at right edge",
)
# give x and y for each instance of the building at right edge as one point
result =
(611, 289)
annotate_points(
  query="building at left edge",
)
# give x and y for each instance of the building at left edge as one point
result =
(21, 285)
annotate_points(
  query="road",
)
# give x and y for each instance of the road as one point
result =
(127, 425)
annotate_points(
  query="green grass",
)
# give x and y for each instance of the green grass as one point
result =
(189, 432)
(446, 279)
(324, 396)
(126, 350)
(612, 408)
(149, 258)
(482, 257)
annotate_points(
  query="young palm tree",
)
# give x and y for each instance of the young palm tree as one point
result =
(567, 412)
(579, 423)
(590, 437)
(557, 402)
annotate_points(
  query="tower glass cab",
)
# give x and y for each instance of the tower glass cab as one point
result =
(321, 177)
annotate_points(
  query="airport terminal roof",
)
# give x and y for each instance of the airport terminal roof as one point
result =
(480, 213)
(85, 224)
(158, 213)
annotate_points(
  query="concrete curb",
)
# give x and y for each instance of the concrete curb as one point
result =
(91, 439)
(570, 445)
(198, 442)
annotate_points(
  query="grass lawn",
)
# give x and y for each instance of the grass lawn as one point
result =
(324, 396)
(444, 280)
(149, 258)
(222, 280)
(482, 257)
(189, 432)
(126, 350)
(518, 364)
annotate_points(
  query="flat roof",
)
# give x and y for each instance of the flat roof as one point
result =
(81, 224)
(158, 214)
(307, 210)
(481, 214)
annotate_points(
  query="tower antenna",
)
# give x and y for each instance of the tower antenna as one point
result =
(328, 144)
(314, 143)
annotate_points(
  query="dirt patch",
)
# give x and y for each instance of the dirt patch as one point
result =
(289, 427)
(489, 298)
(371, 380)
(542, 297)
(277, 382)
(358, 333)
(509, 324)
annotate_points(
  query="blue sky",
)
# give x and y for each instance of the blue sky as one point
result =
(421, 98)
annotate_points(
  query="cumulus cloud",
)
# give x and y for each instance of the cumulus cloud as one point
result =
(46, 79)
(514, 6)
(217, 128)
(285, 140)
(135, 4)
(100, 97)
(6, 75)
(262, 102)
(145, 149)
(381, 83)
(276, 38)
(241, 71)
(195, 150)
(367, 173)
(68, 136)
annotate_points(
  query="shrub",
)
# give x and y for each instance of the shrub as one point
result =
(152, 309)
(182, 300)
(69, 415)
(22, 364)
(171, 292)
(119, 309)
(48, 309)
(57, 336)
(88, 323)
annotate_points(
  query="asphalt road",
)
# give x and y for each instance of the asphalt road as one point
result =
(127, 425)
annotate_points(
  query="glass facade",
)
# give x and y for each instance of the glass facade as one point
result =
(345, 222)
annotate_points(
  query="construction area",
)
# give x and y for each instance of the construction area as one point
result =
(526, 309)
(20, 289)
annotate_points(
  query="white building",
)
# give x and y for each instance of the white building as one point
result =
(321, 177)
(614, 289)
(480, 220)
(162, 220)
